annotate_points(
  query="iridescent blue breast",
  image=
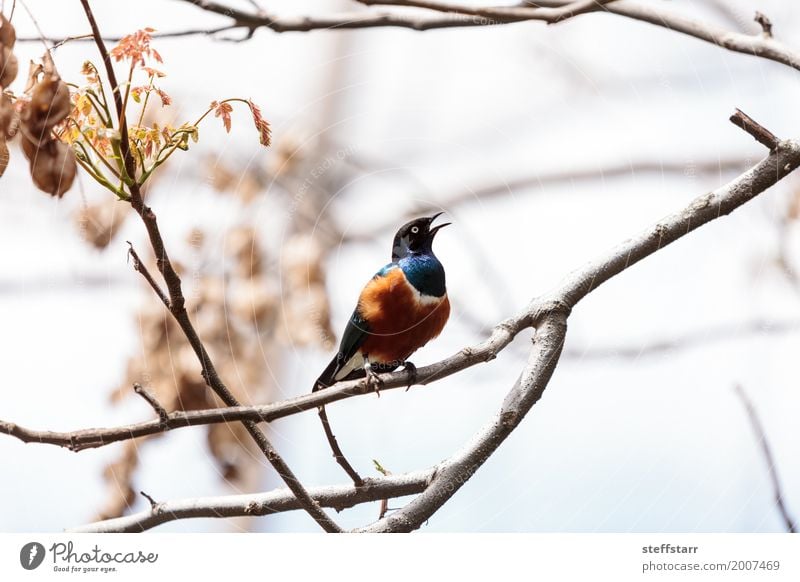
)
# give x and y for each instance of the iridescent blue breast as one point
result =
(425, 273)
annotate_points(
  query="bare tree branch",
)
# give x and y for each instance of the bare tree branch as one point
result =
(759, 46)
(457, 15)
(176, 301)
(139, 267)
(537, 11)
(338, 497)
(98, 437)
(766, 451)
(345, 21)
(62, 40)
(484, 351)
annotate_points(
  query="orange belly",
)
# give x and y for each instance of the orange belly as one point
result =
(400, 320)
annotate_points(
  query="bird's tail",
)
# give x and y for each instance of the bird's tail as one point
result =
(327, 378)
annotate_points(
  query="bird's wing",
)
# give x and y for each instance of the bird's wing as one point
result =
(347, 359)
(347, 362)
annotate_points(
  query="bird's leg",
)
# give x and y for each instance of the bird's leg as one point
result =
(372, 377)
(412, 373)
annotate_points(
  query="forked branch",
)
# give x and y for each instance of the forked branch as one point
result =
(548, 315)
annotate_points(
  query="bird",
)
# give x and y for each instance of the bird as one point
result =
(399, 310)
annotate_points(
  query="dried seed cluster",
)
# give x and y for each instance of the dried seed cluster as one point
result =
(8, 72)
(52, 162)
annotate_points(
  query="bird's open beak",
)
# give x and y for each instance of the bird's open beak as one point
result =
(435, 229)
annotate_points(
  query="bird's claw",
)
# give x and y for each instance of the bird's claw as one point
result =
(412, 374)
(374, 381)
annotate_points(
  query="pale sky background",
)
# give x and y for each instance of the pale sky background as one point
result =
(652, 443)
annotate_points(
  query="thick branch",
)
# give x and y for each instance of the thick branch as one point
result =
(79, 440)
(459, 468)
(346, 20)
(97, 437)
(550, 14)
(338, 497)
(759, 46)
(458, 15)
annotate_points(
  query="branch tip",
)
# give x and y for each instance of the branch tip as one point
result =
(761, 134)
(765, 23)
(153, 503)
(162, 413)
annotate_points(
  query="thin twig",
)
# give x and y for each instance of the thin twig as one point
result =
(162, 413)
(338, 455)
(766, 451)
(138, 266)
(761, 134)
(765, 24)
(62, 40)
(153, 504)
(42, 38)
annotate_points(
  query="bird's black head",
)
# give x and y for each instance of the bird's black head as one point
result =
(415, 237)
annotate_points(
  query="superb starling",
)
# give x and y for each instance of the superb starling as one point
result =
(400, 309)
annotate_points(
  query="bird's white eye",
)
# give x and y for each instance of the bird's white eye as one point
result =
(414, 229)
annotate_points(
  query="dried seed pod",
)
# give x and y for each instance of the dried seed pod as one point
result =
(9, 67)
(8, 36)
(3, 155)
(49, 105)
(53, 166)
(8, 118)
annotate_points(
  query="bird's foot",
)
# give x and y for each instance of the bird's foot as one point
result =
(373, 379)
(412, 374)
